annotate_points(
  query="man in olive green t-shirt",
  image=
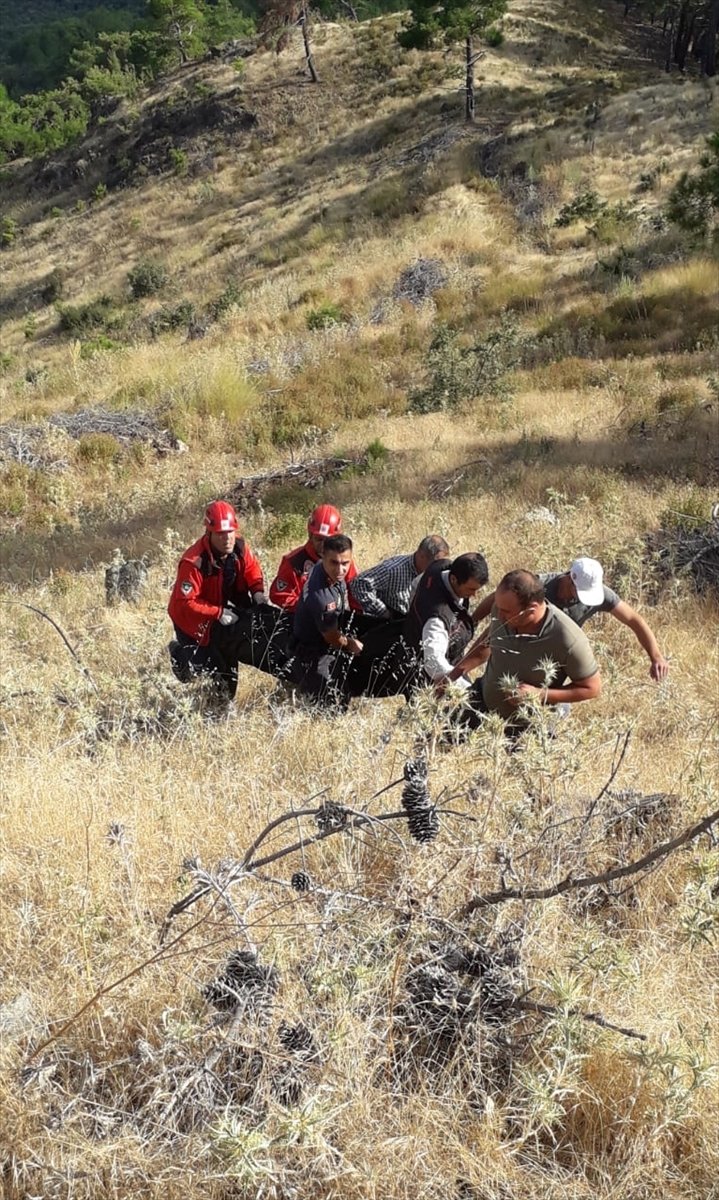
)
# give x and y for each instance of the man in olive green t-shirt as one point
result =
(532, 643)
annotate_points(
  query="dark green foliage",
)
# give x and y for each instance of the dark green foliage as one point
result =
(459, 373)
(82, 319)
(694, 201)
(41, 122)
(583, 207)
(432, 25)
(53, 287)
(172, 318)
(8, 231)
(231, 296)
(147, 278)
(326, 315)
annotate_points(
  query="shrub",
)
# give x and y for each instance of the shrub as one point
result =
(8, 231)
(325, 316)
(83, 318)
(583, 207)
(494, 37)
(53, 287)
(458, 372)
(170, 318)
(147, 278)
(694, 200)
(99, 192)
(98, 345)
(98, 449)
(288, 529)
(376, 454)
(232, 296)
(179, 160)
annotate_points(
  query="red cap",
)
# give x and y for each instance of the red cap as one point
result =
(324, 521)
(220, 517)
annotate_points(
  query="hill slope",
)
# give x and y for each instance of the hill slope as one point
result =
(318, 260)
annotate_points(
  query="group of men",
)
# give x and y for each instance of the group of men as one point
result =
(333, 633)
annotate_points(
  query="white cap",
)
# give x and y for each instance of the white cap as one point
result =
(587, 576)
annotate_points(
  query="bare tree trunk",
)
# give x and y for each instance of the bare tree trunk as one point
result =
(469, 104)
(709, 48)
(308, 47)
(670, 44)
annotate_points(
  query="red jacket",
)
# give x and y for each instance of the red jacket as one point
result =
(292, 574)
(197, 600)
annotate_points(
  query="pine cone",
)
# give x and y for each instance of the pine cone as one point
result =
(301, 881)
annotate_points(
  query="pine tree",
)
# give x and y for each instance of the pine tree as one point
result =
(451, 22)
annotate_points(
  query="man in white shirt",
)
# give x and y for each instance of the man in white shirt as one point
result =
(438, 625)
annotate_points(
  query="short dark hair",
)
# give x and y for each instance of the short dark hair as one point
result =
(470, 566)
(339, 542)
(434, 546)
(527, 587)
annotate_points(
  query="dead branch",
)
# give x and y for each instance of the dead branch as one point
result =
(569, 883)
(56, 627)
(594, 1018)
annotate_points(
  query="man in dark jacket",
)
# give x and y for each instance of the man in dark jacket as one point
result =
(320, 619)
(286, 588)
(217, 577)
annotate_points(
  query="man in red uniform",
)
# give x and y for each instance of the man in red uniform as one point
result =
(294, 570)
(216, 578)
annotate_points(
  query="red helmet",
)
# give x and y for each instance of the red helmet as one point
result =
(220, 517)
(324, 521)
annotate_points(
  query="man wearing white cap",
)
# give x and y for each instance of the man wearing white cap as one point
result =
(581, 592)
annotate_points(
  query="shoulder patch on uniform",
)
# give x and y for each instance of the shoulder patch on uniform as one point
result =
(281, 585)
(331, 606)
(186, 587)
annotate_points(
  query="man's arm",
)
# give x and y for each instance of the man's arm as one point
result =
(252, 572)
(435, 644)
(477, 654)
(483, 609)
(571, 693)
(630, 617)
(342, 641)
(286, 587)
(363, 590)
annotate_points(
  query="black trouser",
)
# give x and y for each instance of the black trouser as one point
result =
(217, 659)
(387, 666)
(320, 674)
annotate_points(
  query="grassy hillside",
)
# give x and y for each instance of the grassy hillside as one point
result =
(278, 229)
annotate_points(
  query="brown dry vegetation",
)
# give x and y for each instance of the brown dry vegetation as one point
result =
(613, 428)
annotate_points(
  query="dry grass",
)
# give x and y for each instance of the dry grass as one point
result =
(117, 781)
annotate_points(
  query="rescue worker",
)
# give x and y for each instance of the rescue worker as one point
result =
(217, 577)
(581, 593)
(295, 567)
(525, 634)
(384, 591)
(320, 617)
(438, 626)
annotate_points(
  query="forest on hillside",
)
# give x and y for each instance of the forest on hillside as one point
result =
(63, 60)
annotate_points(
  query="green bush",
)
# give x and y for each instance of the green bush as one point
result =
(81, 319)
(179, 160)
(53, 287)
(98, 345)
(287, 529)
(147, 278)
(99, 192)
(227, 299)
(494, 37)
(173, 317)
(325, 316)
(8, 231)
(694, 200)
(459, 372)
(583, 207)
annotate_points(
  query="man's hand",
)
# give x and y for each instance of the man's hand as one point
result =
(260, 598)
(523, 693)
(228, 616)
(659, 669)
(354, 646)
